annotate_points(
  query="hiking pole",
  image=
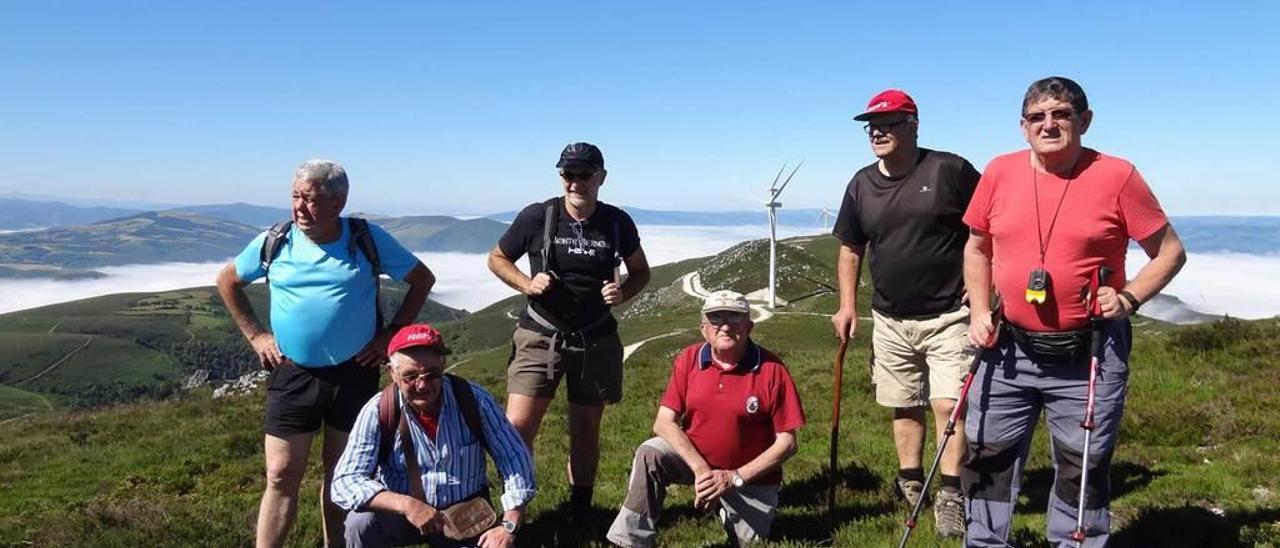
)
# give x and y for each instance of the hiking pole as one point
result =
(835, 425)
(947, 432)
(1095, 352)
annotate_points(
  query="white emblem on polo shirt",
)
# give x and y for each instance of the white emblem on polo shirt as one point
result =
(753, 404)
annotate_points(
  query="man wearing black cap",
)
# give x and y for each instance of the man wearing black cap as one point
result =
(907, 209)
(575, 244)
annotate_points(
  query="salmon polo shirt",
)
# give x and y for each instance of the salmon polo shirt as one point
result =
(1099, 207)
(732, 416)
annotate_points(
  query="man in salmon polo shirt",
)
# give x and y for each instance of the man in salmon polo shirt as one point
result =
(1042, 222)
(726, 424)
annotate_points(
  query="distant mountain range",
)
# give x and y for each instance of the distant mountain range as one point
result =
(18, 214)
(151, 237)
(200, 234)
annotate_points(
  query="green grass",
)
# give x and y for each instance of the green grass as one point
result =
(140, 345)
(1195, 465)
(15, 402)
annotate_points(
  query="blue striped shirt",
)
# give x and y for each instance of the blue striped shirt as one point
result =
(452, 466)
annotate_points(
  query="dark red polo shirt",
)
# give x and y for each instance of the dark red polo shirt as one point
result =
(732, 416)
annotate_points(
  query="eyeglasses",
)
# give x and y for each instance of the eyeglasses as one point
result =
(718, 320)
(1063, 114)
(413, 378)
(572, 176)
(883, 127)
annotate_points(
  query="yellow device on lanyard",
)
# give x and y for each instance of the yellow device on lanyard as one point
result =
(1038, 287)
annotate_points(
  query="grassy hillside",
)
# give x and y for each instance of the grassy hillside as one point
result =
(123, 347)
(1195, 465)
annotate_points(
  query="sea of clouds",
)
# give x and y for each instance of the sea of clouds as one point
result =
(1214, 283)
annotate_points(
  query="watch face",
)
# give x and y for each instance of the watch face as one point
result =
(509, 526)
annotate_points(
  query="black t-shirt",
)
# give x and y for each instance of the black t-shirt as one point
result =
(585, 254)
(913, 231)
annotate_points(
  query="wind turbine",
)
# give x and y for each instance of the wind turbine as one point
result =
(772, 205)
(825, 215)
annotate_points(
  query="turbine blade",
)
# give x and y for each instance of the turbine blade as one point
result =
(788, 181)
(776, 177)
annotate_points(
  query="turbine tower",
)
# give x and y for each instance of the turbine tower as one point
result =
(825, 215)
(772, 205)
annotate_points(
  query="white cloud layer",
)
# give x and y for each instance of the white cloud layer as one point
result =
(1236, 284)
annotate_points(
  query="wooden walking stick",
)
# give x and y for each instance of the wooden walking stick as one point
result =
(835, 426)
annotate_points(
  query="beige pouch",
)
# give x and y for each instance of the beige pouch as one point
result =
(469, 518)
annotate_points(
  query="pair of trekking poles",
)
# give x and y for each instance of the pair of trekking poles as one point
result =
(1095, 353)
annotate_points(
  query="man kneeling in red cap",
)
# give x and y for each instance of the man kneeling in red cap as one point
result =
(432, 489)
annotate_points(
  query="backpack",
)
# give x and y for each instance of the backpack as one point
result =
(360, 239)
(389, 415)
(549, 221)
(549, 326)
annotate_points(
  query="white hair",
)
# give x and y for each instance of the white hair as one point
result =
(394, 364)
(329, 175)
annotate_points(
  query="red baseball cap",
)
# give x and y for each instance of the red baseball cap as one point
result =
(416, 335)
(887, 101)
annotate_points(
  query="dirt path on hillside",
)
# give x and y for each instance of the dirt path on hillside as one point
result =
(55, 365)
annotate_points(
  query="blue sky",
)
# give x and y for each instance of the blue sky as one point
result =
(463, 107)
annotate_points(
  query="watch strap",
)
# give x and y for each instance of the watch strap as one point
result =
(1134, 303)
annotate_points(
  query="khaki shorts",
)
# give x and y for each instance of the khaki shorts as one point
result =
(594, 372)
(907, 350)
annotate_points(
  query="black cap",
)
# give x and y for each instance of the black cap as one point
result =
(581, 155)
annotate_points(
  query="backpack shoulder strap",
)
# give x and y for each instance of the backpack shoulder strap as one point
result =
(550, 219)
(363, 239)
(277, 235)
(388, 421)
(469, 407)
(617, 240)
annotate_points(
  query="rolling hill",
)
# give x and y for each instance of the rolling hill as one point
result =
(151, 237)
(246, 214)
(72, 252)
(1195, 465)
(20, 214)
(127, 346)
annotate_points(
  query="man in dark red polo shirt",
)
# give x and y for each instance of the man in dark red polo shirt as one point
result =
(726, 425)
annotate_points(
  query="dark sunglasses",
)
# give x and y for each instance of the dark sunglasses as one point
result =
(1055, 114)
(573, 176)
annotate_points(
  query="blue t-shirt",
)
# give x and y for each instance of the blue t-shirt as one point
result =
(322, 296)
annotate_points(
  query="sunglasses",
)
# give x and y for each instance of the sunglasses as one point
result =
(734, 320)
(574, 176)
(1063, 114)
(882, 127)
(413, 378)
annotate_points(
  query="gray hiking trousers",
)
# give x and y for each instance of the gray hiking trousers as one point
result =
(1005, 401)
(746, 512)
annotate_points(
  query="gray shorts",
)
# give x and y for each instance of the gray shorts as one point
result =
(538, 363)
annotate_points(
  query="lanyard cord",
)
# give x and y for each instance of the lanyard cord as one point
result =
(1035, 187)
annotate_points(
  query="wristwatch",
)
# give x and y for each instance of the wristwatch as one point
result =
(510, 526)
(737, 479)
(1134, 303)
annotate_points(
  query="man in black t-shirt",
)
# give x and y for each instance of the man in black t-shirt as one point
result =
(906, 210)
(567, 329)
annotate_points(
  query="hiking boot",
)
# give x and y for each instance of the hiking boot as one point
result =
(948, 513)
(910, 490)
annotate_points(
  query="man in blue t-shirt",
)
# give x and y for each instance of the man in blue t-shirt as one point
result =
(325, 344)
